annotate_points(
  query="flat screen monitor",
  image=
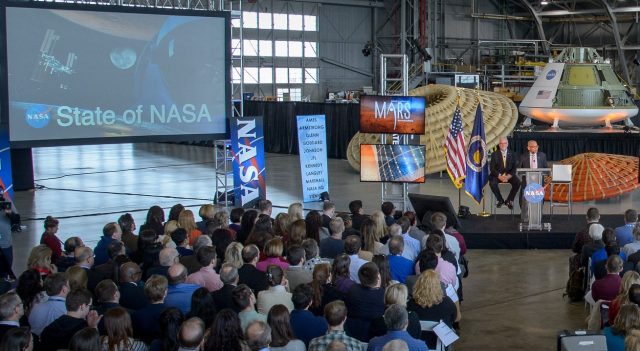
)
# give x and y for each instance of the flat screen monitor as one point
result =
(428, 204)
(392, 114)
(78, 74)
(392, 163)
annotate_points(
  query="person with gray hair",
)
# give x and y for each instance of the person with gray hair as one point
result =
(397, 319)
(396, 345)
(191, 334)
(248, 273)
(595, 235)
(11, 310)
(229, 277)
(258, 335)
(179, 291)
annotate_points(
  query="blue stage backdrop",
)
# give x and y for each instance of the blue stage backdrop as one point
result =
(249, 176)
(312, 145)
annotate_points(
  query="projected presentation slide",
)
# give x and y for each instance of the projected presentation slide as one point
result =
(392, 114)
(83, 74)
(392, 163)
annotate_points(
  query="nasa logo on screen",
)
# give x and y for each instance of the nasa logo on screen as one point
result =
(534, 193)
(551, 74)
(38, 116)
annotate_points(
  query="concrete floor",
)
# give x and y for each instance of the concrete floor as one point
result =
(512, 298)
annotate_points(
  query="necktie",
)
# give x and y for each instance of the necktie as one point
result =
(534, 161)
(504, 160)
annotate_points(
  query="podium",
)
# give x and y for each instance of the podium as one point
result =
(533, 196)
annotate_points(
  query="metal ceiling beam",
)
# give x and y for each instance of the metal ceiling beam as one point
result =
(534, 13)
(616, 36)
(557, 13)
(352, 3)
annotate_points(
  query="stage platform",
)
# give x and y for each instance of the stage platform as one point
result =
(501, 231)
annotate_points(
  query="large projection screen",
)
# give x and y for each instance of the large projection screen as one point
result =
(89, 74)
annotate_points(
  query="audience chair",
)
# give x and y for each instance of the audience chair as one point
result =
(507, 187)
(427, 326)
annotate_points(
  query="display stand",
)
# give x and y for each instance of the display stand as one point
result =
(534, 209)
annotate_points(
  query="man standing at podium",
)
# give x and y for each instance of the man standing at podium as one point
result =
(532, 159)
(502, 169)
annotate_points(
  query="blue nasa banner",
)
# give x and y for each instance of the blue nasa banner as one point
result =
(247, 147)
(312, 146)
(6, 180)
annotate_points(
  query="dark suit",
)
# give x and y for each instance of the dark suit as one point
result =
(132, 296)
(145, 322)
(254, 278)
(498, 166)
(222, 298)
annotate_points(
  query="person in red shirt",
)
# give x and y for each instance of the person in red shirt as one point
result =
(50, 239)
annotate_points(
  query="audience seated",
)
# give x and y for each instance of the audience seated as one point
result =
(258, 335)
(371, 238)
(119, 333)
(170, 321)
(179, 291)
(79, 315)
(248, 273)
(282, 338)
(399, 266)
(50, 239)
(235, 216)
(245, 302)
(333, 245)
(296, 273)
(68, 259)
(246, 225)
(396, 320)
(341, 273)
(277, 293)
(131, 294)
(335, 314)
(305, 325)
(624, 234)
(582, 236)
(77, 278)
(315, 230)
(396, 294)
(430, 302)
(357, 213)
(607, 288)
(191, 261)
(202, 306)
(168, 257)
(40, 260)
(229, 277)
(181, 238)
(328, 213)
(128, 237)
(11, 310)
(273, 252)
(107, 296)
(365, 302)
(57, 288)
(187, 221)
(225, 333)
(17, 339)
(324, 291)
(595, 235)
(311, 255)
(233, 254)
(439, 222)
(387, 209)
(30, 288)
(191, 335)
(206, 213)
(207, 276)
(85, 259)
(352, 246)
(609, 241)
(446, 270)
(145, 320)
(628, 319)
(110, 232)
(382, 262)
(111, 268)
(154, 221)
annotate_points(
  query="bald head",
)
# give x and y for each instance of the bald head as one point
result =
(168, 256)
(258, 335)
(191, 333)
(177, 274)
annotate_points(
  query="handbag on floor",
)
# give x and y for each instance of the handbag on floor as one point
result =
(581, 340)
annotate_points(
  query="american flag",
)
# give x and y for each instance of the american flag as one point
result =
(455, 150)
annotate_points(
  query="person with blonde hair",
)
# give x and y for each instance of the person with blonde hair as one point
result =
(273, 251)
(295, 212)
(78, 278)
(396, 294)
(165, 239)
(40, 260)
(371, 237)
(380, 226)
(187, 221)
(632, 340)
(233, 254)
(207, 212)
(628, 279)
(430, 302)
(628, 319)
(297, 232)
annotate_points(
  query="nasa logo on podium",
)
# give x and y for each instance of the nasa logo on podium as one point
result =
(534, 193)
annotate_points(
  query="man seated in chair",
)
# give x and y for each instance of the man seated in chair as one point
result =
(503, 170)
